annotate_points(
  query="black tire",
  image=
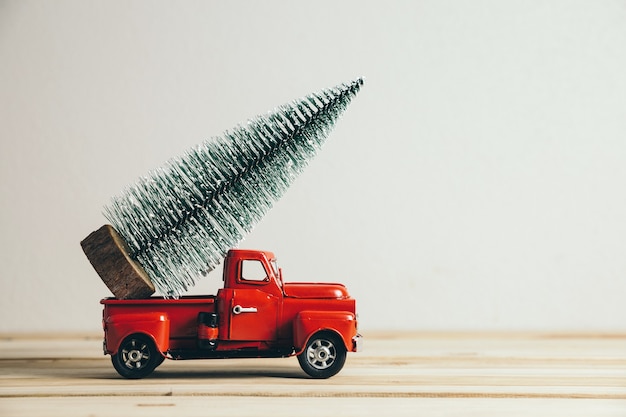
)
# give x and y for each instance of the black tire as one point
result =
(160, 359)
(323, 356)
(136, 357)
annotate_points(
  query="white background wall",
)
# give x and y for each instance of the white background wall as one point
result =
(476, 182)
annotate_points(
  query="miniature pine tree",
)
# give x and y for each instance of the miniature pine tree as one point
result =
(181, 219)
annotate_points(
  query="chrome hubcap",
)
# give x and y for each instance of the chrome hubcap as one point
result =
(135, 355)
(321, 354)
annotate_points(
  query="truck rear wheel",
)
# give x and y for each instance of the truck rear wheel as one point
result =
(323, 356)
(136, 357)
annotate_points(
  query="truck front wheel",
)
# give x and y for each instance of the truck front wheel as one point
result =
(137, 357)
(323, 356)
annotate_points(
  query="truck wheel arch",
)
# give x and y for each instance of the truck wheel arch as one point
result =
(155, 326)
(309, 323)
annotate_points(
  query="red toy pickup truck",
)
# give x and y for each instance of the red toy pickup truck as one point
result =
(255, 315)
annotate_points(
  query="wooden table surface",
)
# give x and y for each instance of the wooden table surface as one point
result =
(398, 374)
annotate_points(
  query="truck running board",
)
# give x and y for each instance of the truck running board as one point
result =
(230, 354)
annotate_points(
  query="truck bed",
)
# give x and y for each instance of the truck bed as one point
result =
(181, 313)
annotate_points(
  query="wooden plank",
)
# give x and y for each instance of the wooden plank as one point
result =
(403, 374)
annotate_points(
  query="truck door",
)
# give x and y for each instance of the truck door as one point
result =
(254, 304)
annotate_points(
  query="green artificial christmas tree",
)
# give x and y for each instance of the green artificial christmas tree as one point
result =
(180, 221)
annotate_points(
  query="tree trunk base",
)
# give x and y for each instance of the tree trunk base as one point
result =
(108, 254)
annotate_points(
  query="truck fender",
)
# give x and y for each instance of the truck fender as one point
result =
(119, 326)
(307, 323)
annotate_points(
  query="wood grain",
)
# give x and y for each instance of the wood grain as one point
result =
(400, 374)
(108, 254)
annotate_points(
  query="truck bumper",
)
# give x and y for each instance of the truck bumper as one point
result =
(357, 343)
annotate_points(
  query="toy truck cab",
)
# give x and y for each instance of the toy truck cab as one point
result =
(255, 314)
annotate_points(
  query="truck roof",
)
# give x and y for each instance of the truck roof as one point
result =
(250, 253)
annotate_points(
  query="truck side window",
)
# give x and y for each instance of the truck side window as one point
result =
(252, 270)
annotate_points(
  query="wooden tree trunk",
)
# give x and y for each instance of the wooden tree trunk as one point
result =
(108, 254)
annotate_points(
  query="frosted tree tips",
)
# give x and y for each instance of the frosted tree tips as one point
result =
(179, 221)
